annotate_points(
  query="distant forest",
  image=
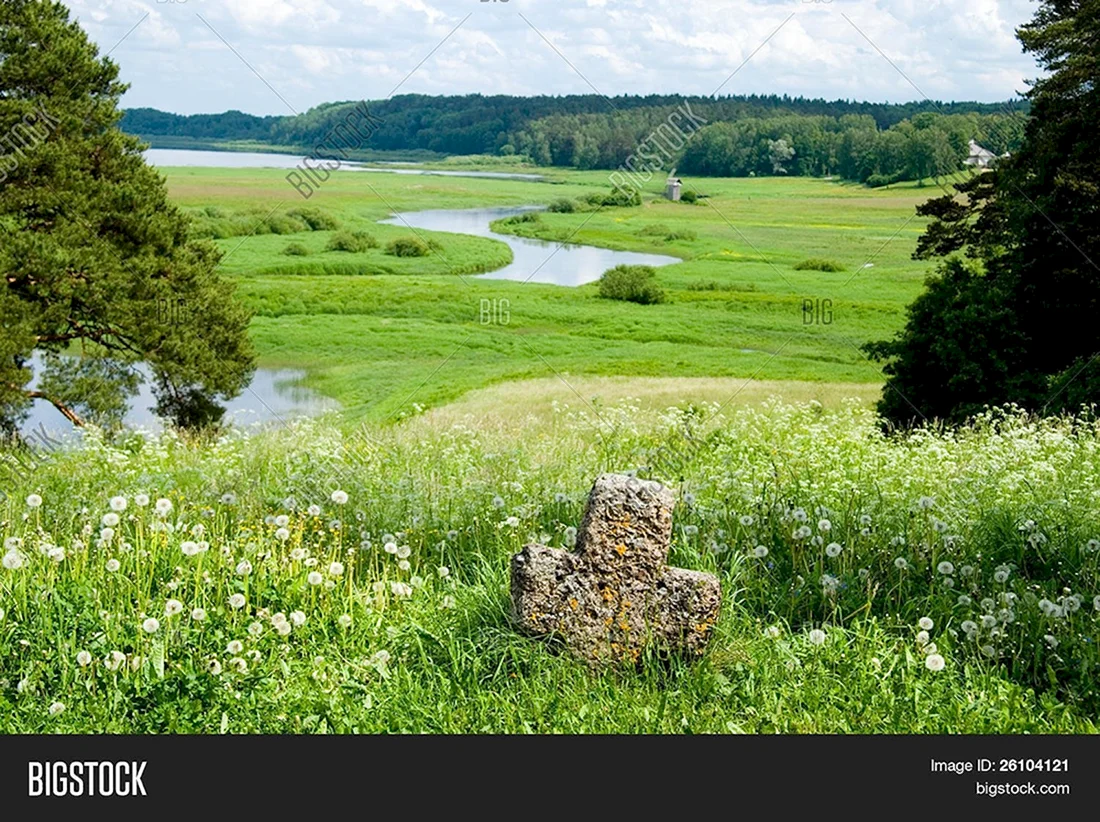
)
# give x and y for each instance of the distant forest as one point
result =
(733, 136)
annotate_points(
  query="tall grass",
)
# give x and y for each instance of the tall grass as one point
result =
(374, 611)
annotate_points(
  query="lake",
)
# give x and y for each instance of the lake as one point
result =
(255, 159)
(533, 261)
(274, 396)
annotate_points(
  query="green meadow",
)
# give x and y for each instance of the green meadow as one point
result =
(374, 330)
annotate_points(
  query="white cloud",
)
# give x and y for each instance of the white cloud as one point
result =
(314, 51)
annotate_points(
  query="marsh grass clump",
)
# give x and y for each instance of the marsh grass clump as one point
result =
(217, 223)
(521, 219)
(296, 250)
(315, 218)
(818, 264)
(354, 242)
(408, 247)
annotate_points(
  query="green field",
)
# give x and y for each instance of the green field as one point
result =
(378, 333)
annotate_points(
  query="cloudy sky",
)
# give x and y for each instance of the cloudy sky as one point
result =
(285, 56)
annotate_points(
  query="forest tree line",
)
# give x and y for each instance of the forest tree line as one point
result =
(870, 142)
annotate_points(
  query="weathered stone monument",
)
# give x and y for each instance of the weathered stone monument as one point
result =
(616, 594)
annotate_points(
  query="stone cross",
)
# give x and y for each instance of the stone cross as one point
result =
(616, 593)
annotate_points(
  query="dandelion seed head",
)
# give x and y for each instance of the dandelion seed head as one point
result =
(817, 637)
(113, 661)
(339, 497)
(314, 578)
(83, 659)
(163, 506)
(934, 662)
(945, 568)
(282, 534)
(925, 623)
(151, 625)
(12, 560)
(255, 628)
(344, 621)
(56, 708)
(198, 614)
(237, 601)
(760, 551)
(404, 565)
(282, 521)
(833, 549)
(173, 607)
(244, 568)
(235, 646)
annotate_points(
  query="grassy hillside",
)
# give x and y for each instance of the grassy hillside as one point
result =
(235, 606)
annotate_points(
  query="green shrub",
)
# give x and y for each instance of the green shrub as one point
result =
(818, 264)
(213, 211)
(616, 198)
(633, 283)
(654, 230)
(562, 206)
(351, 241)
(687, 196)
(408, 247)
(296, 250)
(879, 180)
(315, 218)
